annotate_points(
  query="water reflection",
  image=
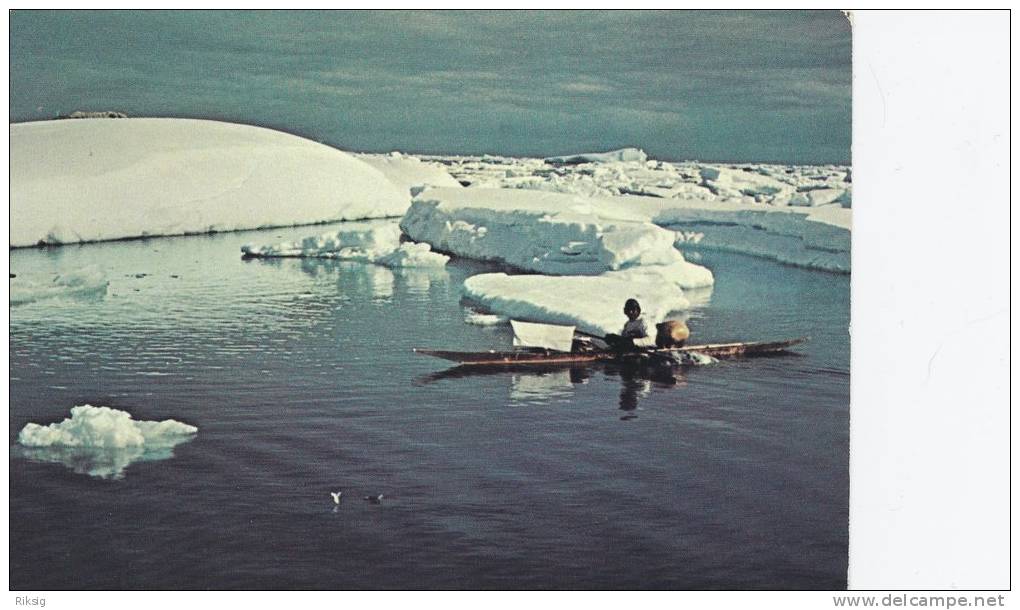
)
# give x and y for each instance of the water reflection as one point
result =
(637, 379)
(699, 297)
(543, 386)
(419, 280)
(99, 462)
(543, 383)
(376, 280)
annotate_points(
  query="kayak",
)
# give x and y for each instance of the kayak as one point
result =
(539, 356)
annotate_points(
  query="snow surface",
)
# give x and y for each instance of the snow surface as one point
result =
(408, 173)
(544, 232)
(580, 301)
(367, 242)
(816, 238)
(101, 441)
(88, 281)
(101, 179)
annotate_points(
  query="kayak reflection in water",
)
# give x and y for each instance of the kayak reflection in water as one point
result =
(637, 378)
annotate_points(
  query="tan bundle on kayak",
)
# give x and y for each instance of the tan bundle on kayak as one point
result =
(671, 333)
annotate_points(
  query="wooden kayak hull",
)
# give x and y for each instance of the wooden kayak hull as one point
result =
(721, 351)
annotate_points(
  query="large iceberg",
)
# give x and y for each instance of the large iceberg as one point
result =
(481, 222)
(544, 232)
(101, 441)
(101, 179)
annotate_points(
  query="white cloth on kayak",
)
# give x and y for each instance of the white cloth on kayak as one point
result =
(551, 336)
(637, 330)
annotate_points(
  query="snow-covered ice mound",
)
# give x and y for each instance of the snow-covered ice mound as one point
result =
(85, 282)
(815, 238)
(408, 173)
(366, 242)
(623, 155)
(101, 179)
(544, 232)
(101, 441)
(593, 304)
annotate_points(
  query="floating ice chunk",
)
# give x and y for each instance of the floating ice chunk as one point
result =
(538, 231)
(102, 442)
(88, 281)
(621, 155)
(367, 242)
(574, 300)
(79, 181)
(730, 182)
(483, 319)
(822, 196)
(410, 254)
(104, 428)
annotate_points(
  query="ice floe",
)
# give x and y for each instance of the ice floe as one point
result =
(101, 441)
(594, 304)
(84, 282)
(367, 242)
(483, 319)
(101, 179)
(544, 232)
(792, 214)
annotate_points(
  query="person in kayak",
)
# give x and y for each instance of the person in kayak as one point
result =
(635, 333)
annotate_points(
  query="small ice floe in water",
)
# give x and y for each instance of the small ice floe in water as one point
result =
(483, 319)
(102, 442)
(367, 242)
(336, 496)
(374, 499)
(88, 281)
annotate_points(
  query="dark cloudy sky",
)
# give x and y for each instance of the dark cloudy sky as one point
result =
(737, 86)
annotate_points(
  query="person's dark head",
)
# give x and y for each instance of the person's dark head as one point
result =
(632, 309)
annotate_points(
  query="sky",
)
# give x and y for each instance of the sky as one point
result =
(682, 85)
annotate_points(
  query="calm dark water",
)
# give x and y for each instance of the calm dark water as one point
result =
(301, 380)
